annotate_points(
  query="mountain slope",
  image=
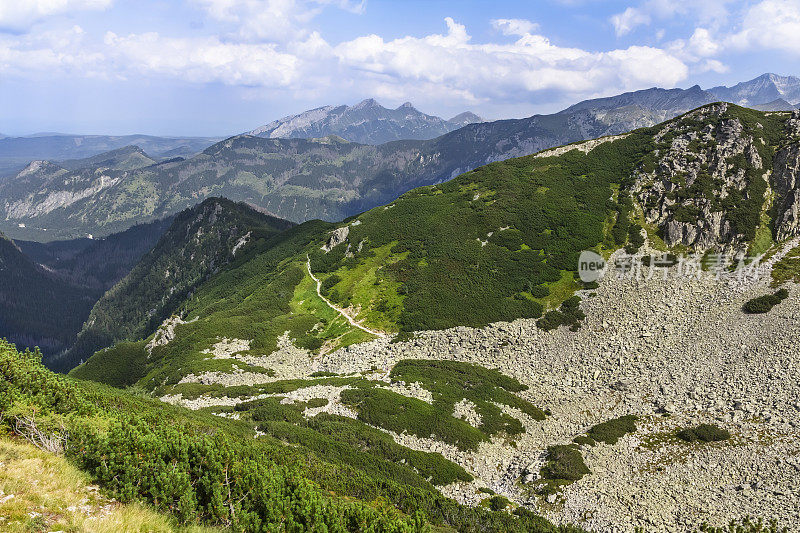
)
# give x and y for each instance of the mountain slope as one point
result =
(97, 264)
(39, 308)
(226, 472)
(366, 123)
(199, 242)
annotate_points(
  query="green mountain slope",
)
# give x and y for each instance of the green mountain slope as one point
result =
(199, 242)
(39, 308)
(495, 244)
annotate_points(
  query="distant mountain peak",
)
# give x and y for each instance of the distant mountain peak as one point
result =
(366, 104)
(467, 117)
(367, 122)
(761, 91)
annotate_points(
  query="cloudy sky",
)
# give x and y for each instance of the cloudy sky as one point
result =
(218, 67)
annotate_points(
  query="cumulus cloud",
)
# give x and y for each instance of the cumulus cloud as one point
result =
(770, 24)
(19, 15)
(630, 18)
(531, 64)
(514, 26)
(50, 53)
(704, 12)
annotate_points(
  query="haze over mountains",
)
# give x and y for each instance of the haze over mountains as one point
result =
(17, 152)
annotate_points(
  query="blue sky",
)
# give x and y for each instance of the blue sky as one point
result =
(218, 67)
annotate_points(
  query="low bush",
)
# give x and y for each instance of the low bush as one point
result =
(498, 503)
(704, 433)
(584, 440)
(612, 430)
(763, 304)
(564, 462)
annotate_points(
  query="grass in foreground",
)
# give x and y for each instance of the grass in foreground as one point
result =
(41, 491)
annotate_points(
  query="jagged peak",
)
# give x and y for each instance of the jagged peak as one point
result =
(407, 105)
(366, 104)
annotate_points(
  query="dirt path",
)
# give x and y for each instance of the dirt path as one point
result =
(337, 308)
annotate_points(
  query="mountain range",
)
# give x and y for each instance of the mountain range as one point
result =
(327, 178)
(365, 123)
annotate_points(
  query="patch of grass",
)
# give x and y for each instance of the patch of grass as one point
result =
(44, 492)
(764, 304)
(704, 433)
(787, 269)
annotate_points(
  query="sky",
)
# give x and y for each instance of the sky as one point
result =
(220, 67)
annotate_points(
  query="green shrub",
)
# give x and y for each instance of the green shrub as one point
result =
(328, 283)
(498, 503)
(763, 304)
(584, 440)
(705, 433)
(612, 430)
(317, 402)
(564, 462)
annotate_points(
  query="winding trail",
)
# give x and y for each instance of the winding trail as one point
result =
(337, 308)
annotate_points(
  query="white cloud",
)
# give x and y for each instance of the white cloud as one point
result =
(48, 54)
(704, 12)
(627, 20)
(272, 20)
(514, 26)
(770, 24)
(18, 15)
(483, 72)
(201, 60)
(446, 68)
